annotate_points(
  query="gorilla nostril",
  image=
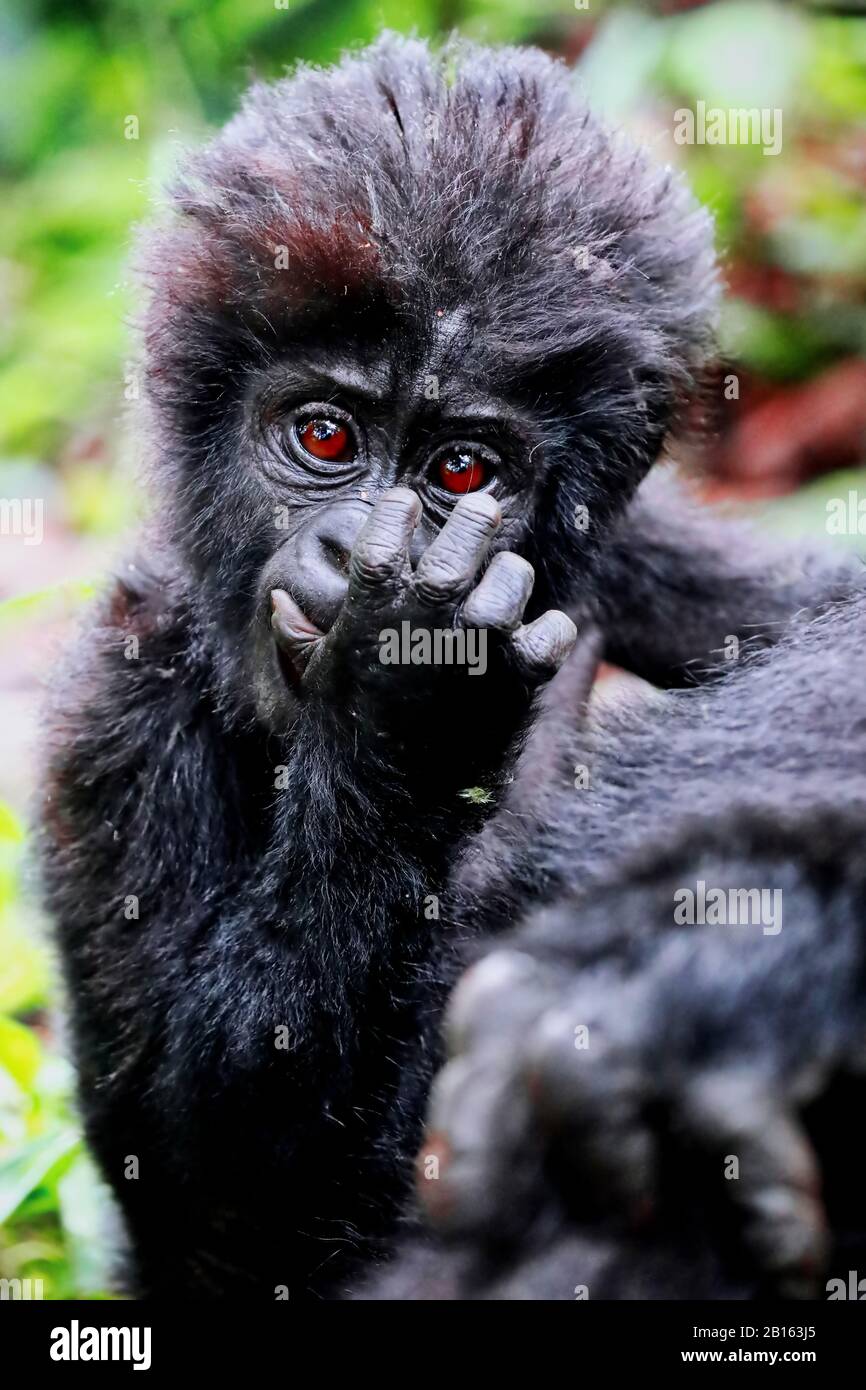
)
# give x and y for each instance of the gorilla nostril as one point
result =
(337, 554)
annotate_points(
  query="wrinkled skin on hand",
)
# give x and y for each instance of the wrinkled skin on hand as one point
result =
(416, 708)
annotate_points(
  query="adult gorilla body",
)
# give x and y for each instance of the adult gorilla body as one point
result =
(639, 1105)
(368, 301)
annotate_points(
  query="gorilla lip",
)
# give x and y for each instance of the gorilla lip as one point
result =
(294, 634)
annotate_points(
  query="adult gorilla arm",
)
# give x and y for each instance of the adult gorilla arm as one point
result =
(677, 580)
(610, 1057)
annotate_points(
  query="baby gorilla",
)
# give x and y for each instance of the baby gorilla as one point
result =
(418, 327)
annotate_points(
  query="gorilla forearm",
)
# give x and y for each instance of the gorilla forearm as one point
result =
(613, 1177)
(677, 581)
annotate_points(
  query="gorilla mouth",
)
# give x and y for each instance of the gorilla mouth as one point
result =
(295, 636)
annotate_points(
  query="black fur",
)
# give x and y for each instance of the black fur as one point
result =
(262, 1034)
(707, 1040)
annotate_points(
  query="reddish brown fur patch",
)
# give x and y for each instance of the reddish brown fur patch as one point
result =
(334, 256)
(289, 249)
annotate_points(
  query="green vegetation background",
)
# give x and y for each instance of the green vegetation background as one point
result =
(72, 185)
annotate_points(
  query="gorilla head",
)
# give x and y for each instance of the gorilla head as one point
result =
(436, 271)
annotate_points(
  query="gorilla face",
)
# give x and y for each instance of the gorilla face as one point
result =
(333, 435)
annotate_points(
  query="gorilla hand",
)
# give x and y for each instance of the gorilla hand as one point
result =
(606, 1049)
(349, 667)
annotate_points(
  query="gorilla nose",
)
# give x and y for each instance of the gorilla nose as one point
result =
(337, 553)
(314, 564)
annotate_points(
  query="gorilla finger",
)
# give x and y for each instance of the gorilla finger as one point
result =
(589, 1091)
(501, 595)
(776, 1186)
(542, 646)
(380, 556)
(451, 561)
(477, 1157)
(498, 995)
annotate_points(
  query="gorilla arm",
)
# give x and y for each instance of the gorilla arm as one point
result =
(677, 581)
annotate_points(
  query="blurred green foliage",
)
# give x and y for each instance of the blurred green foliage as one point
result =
(52, 1210)
(72, 185)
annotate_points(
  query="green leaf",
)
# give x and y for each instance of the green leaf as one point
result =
(31, 1165)
(743, 54)
(24, 975)
(67, 595)
(775, 345)
(477, 796)
(11, 828)
(20, 1052)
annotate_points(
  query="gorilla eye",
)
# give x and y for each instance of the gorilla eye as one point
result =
(462, 471)
(326, 439)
